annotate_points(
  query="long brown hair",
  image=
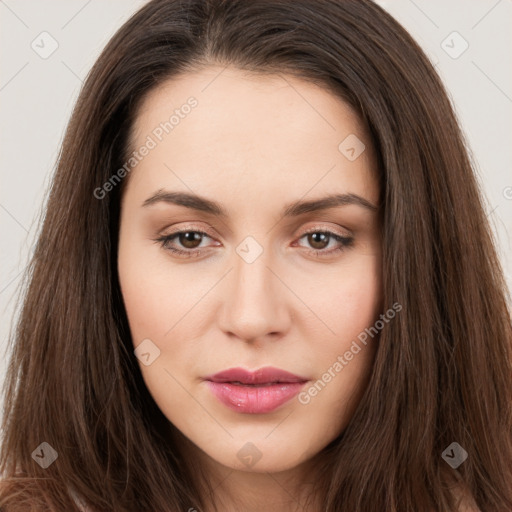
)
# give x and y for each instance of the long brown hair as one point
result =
(443, 368)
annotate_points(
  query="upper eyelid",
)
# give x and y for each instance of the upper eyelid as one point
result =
(320, 226)
(313, 229)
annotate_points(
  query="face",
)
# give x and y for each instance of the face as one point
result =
(227, 260)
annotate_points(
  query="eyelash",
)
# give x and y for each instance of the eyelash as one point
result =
(346, 242)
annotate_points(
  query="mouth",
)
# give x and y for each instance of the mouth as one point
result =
(267, 375)
(258, 392)
(262, 385)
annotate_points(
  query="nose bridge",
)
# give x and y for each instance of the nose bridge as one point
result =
(253, 306)
(252, 279)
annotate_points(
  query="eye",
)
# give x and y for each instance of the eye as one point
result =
(191, 240)
(319, 240)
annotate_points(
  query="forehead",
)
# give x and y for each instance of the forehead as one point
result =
(250, 130)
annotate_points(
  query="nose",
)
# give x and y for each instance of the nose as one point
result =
(255, 301)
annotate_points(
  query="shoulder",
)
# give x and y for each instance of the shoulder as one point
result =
(465, 500)
(78, 501)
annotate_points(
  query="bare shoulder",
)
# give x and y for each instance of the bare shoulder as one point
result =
(465, 500)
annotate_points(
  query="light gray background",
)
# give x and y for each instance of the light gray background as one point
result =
(37, 95)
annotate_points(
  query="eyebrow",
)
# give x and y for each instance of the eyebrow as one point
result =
(196, 202)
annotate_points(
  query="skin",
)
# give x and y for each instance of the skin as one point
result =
(254, 144)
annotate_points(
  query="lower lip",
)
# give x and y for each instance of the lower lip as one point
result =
(254, 399)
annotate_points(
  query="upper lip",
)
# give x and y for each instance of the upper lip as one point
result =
(265, 375)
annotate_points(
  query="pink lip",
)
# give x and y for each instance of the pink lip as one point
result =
(257, 392)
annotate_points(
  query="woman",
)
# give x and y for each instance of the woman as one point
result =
(264, 281)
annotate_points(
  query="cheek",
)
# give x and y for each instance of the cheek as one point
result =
(347, 301)
(358, 300)
(350, 306)
(146, 301)
(154, 297)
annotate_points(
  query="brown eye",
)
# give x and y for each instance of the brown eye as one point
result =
(190, 239)
(184, 243)
(187, 243)
(318, 240)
